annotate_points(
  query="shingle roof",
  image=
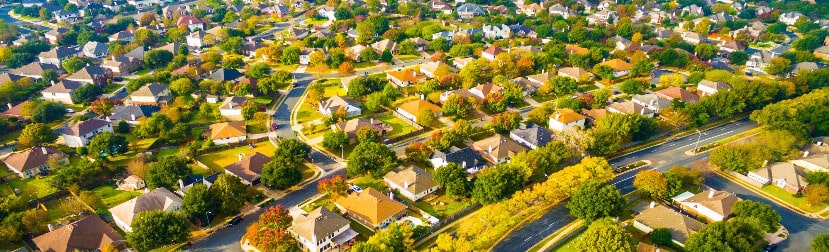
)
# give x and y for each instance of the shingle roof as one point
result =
(351, 127)
(60, 52)
(95, 47)
(631, 108)
(233, 102)
(652, 100)
(89, 72)
(132, 112)
(64, 86)
(158, 199)
(227, 130)
(406, 75)
(414, 179)
(31, 158)
(783, 171)
(721, 202)
(371, 204)
(225, 74)
(493, 50)
(718, 85)
(83, 127)
(488, 88)
(566, 116)
(335, 102)
(678, 93)
(501, 146)
(250, 167)
(465, 156)
(87, 234)
(473, 8)
(534, 134)
(152, 89)
(33, 69)
(617, 65)
(414, 107)
(574, 72)
(659, 216)
(318, 224)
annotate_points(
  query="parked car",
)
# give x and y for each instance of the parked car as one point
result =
(356, 188)
(235, 221)
(770, 248)
(69, 110)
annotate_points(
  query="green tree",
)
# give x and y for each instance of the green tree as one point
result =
(258, 70)
(198, 201)
(703, 27)
(456, 105)
(407, 47)
(182, 86)
(370, 158)
(734, 234)
(229, 191)
(232, 45)
(73, 64)
(593, 200)
(820, 242)
(166, 172)
(763, 213)
(386, 56)
(369, 55)
(107, 143)
(35, 134)
(86, 93)
(157, 58)
(604, 71)
(290, 56)
(778, 65)
(605, 235)
(661, 237)
(632, 86)
(295, 150)
(35, 220)
(706, 51)
(366, 134)
(281, 173)
(154, 229)
(394, 238)
(543, 160)
(426, 117)
(652, 183)
(48, 111)
(453, 178)
(733, 158)
(560, 86)
(497, 184)
(332, 140)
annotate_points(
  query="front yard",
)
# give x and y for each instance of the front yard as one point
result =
(798, 201)
(111, 196)
(399, 127)
(218, 160)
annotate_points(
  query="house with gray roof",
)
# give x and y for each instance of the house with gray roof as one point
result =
(231, 108)
(91, 74)
(95, 50)
(652, 101)
(61, 92)
(331, 105)
(322, 230)
(466, 157)
(707, 87)
(411, 182)
(151, 94)
(225, 74)
(470, 10)
(58, 55)
(158, 199)
(532, 136)
(132, 113)
(680, 225)
(79, 133)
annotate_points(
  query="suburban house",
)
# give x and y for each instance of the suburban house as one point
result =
(124, 35)
(79, 134)
(574, 48)
(428, 68)
(760, 59)
(331, 105)
(577, 73)
(52, 36)
(466, 157)
(462, 61)
(491, 52)
(602, 17)
(383, 45)
(558, 9)
(707, 87)
(321, 230)
(327, 12)
(693, 37)
(630, 108)
(158, 199)
(538, 80)
(354, 52)
(659, 216)
(151, 94)
(58, 54)
(620, 67)
(410, 110)
(469, 10)
(405, 77)
(371, 208)
(228, 132)
(411, 182)
(91, 233)
(131, 113)
(683, 95)
(420, 43)
(65, 16)
(565, 119)
(814, 163)
(693, 10)
(184, 184)
(789, 18)
(91, 74)
(497, 31)
(196, 39)
(231, 108)
(226, 74)
(782, 174)
(61, 92)
(131, 183)
(35, 70)
(190, 22)
(95, 50)
(32, 162)
(121, 65)
(713, 205)
(497, 148)
(822, 52)
(651, 101)
(305, 55)
(248, 168)
(529, 9)
(482, 90)
(351, 127)
(532, 136)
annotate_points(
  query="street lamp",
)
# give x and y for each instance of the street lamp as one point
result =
(699, 136)
(207, 216)
(342, 152)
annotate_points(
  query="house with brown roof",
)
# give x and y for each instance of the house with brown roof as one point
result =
(713, 205)
(336, 102)
(405, 77)
(461, 62)
(58, 55)
(158, 199)
(79, 133)
(620, 67)
(151, 94)
(411, 109)
(190, 22)
(248, 168)
(231, 108)
(321, 230)
(228, 132)
(371, 208)
(659, 216)
(813, 163)
(383, 45)
(630, 108)
(35, 70)
(121, 65)
(61, 92)
(782, 174)
(707, 87)
(491, 52)
(565, 119)
(131, 183)
(577, 73)
(411, 182)
(91, 74)
(351, 127)
(482, 90)
(683, 95)
(462, 92)
(593, 114)
(31, 162)
(497, 148)
(428, 68)
(90, 233)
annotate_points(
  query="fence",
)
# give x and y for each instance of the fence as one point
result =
(446, 220)
(228, 146)
(745, 178)
(54, 195)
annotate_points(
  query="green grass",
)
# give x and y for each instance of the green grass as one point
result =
(12, 246)
(4, 171)
(330, 91)
(218, 160)
(307, 172)
(167, 152)
(142, 71)
(11, 136)
(111, 88)
(798, 201)
(365, 232)
(364, 64)
(568, 245)
(449, 207)
(307, 113)
(112, 196)
(408, 57)
(399, 127)
(140, 146)
(262, 100)
(254, 127)
(321, 202)
(31, 188)
(368, 181)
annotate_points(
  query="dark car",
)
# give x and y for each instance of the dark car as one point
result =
(235, 221)
(770, 248)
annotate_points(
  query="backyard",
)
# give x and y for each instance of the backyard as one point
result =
(30, 188)
(218, 160)
(399, 127)
(442, 206)
(111, 196)
(368, 181)
(798, 201)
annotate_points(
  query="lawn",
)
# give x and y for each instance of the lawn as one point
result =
(167, 152)
(254, 127)
(408, 57)
(111, 88)
(368, 181)
(307, 172)
(218, 160)
(321, 202)
(798, 201)
(139, 146)
(442, 206)
(112, 196)
(364, 64)
(262, 100)
(31, 188)
(399, 127)
(307, 113)
(334, 90)
(568, 245)
(365, 232)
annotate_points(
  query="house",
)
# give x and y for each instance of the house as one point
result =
(466, 157)
(498, 31)
(93, 74)
(651, 102)
(447, 35)
(226, 74)
(603, 5)
(131, 183)
(538, 80)
(305, 55)
(620, 67)
(184, 184)
(577, 73)
(90, 233)
(142, 4)
(327, 12)
(693, 37)
(30, 3)
(566, 119)
(491, 52)
(707, 87)
(497, 148)
(573, 48)
(814, 163)
(131, 113)
(322, 230)
(122, 65)
(482, 90)
(621, 42)
(278, 10)
(54, 35)
(248, 168)
(228, 132)
(782, 174)
(528, 86)
(150, 94)
(32, 162)
(331, 105)
(681, 94)
(411, 182)
(190, 22)
(659, 216)
(34, 70)
(196, 39)
(469, 10)
(354, 52)
(463, 93)
(804, 66)
(532, 136)
(593, 114)
(124, 35)
(371, 208)
(158, 199)
(405, 77)
(822, 52)
(761, 59)
(410, 110)
(713, 205)
(428, 68)
(731, 46)
(61, 92)
(529, 9)
(16, 110)
(693, 10)
(65, 16)
(58, 54)
(630, 108)
(351, 127)
(79, 133)
(462, 61)
(231, 108)
(602, 17)
(383, 45)
(790, 18)
(561, 10)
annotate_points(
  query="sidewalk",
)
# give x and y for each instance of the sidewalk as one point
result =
(562, 234)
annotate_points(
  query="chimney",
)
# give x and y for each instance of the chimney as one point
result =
(558, 115)
(422, 97)
(604, 59)
(371, 120)
(43, 149)
(653, 204)
(642, 112)
(711, 193)
(240, 156)
(108, 119)
(806, 154)
(406, 184)
(52, 81)
(391, 195)
(765, 163)
(9, 105)
(180, 184)
(132, 116)
(87, 64)
(490, 149)
(463, 164)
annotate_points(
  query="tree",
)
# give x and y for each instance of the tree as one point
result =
(166, 172)
(369, 55)
(102, 106)
(820, 242)
(652, 183)
(733, 235)
(661, 236)
(706, 51)
(763, 213)
(366, 134)
(157, 58)
(154, 229)
(632, 86)
(290, 56)
(605, 235)
(560, 86)
(107, 143)
(703, 27)
(371, 158)
(394, 238)
(456, 105)
(182, 86)
(453, 177)
(733, 158)
(346, 68)
(426, 117)
(198, 201)
(229, 191)
(778, 65)
(295, 150)
(35, 220)
(604, 71)
(275, 217)
(73, 64)
(816, 193)
(641, 67)
(48, 111)
(35, 134)
(497, 184)
(281, 173)
(593, 200)
(334, 186)
(332, 140)
(249, 109)
(504, 122)
(386, 56)
(232, 45)
(407, 47)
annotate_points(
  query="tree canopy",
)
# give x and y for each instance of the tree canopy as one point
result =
(593, 200)
(154, 229)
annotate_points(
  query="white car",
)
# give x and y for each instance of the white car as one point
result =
(69, 110)
(356, 188)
